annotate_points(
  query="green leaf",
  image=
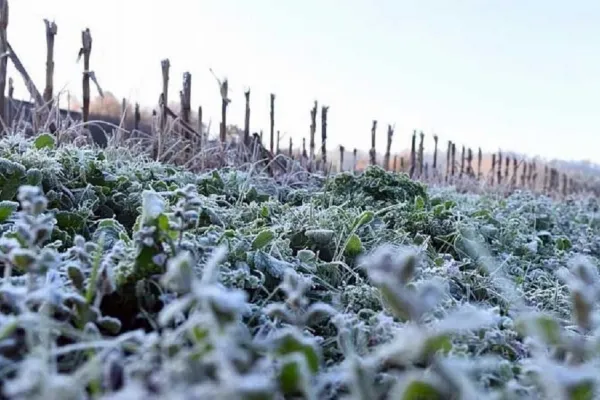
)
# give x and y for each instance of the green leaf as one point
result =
(264, 212)
(7, 208)
(293, 342)
(34, 177)
(320, 236)
(306, 255)
(438, 343)
(300, 357)
(262, 239)
(563, 244)
(353, 246)
(112, 231)
(69, 221)
(419, 203)
(45, 140)
(543, 326)
(363, 219)
(421, 390)
(581, 390)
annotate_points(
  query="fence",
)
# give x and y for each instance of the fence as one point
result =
(507, 170)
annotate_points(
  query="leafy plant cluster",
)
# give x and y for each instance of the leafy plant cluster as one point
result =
(124, 278)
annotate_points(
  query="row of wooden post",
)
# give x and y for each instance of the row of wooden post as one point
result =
(418, 168)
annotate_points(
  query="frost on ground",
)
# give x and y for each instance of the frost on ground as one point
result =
(127, 279)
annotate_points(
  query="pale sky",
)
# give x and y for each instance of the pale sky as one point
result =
(512, 74)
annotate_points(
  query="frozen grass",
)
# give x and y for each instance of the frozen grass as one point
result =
(126, 278)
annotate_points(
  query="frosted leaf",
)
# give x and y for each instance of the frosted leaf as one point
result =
(180, 273)
(210, 274)
(172, 310)
(152, 206)
(466, 318)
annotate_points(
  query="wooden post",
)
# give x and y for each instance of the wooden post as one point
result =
(165, 66)
(86, 50)
(372, 155)
(278, 140)
(413, 154)
(435, 152)
(291, 149)
(388, 149)
(421, 153)
(453, 166)
(534, 176)
(186, 99)
(513, 180)
(499, 167)
(313, 131)
(354, 159)
(304, 153)
(137, 117)
(51, 30)
(324, 110)
(247, 118)
(545, 188)
(479, 161)
(462, 163)
(224, 104)
(506, 168)
(342, 150)
(564, 185)
(524, 174)
(493, 168)
(396, 163)
(402, 164)
(470, 163)
(272, 115)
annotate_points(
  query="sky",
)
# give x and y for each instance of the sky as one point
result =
(517, 75)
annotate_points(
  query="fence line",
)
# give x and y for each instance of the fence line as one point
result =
(454, 172)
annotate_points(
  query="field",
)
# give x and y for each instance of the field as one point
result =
(125, 278)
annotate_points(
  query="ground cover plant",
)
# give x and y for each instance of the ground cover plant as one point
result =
(124, 278)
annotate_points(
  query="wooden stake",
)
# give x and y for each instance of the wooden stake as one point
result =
(51, 30)
(247, 118)
(372, 158)
(499, 167)
(313, 130)
(435, 153)
(165, 66)
(413, 154)
(388, 148)
(137, 117)
(86, 51)
(421, 154)
(324, 110)
(186, 99)
(224, 103)
(479, 161)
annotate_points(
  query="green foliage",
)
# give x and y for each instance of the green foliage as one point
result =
(125, 278)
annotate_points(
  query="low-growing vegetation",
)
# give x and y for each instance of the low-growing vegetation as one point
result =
(124, 278)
